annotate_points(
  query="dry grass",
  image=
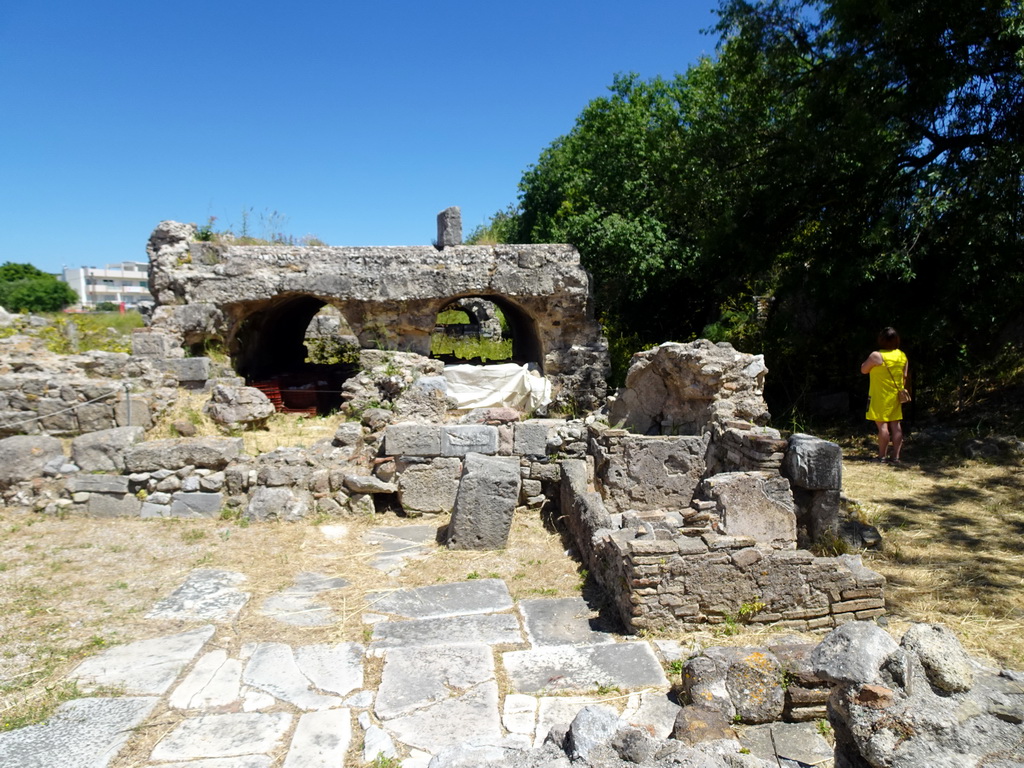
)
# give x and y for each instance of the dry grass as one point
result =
(953, 552)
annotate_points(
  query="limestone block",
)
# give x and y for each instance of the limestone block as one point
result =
(813, 463)
(642, 473)
(23, 457)
(196, 504)
(93, 417)
(429, 488)
(368, 484)
(104, 451)
(449, 227)
(531, 437)
(110, 505)
(152, 343)
(133, 411)
(463, 439)
(408, 439)
(278, 504)
(185, 369)
(486, 499)
(116, 484)
(758, 505)
(174, 453)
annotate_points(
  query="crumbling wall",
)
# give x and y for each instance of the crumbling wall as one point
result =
(258, 297)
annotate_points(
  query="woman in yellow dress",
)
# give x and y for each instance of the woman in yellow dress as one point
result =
(888, 369)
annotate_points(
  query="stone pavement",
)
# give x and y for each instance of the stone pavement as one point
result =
(448, 676)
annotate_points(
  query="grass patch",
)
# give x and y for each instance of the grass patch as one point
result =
(470, 347)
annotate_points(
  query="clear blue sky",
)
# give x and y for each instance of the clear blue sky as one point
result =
(358, 122)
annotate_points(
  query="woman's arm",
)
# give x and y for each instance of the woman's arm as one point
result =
(875, 358)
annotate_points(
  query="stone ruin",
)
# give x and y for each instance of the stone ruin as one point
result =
(684, 506)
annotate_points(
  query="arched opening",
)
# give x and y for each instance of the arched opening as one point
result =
(298, 350)
(485, 329)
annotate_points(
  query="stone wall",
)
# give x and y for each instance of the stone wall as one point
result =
(260, 298)
(672, 570)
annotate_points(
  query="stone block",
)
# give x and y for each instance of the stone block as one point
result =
(449, 227)
(175, 453)
(116, 484)
(148, 343)
(196, 504)
(104, 451)
(23, 457)
(463, 439)
(813, 463)
(110, 505)
(185, 369)
(643, 473)
(429, 488)
(407, 439)
(758, 505)
(133, 411)
(486, 500)
(531, 437)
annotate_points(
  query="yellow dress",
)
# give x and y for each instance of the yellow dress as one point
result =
(883, 403)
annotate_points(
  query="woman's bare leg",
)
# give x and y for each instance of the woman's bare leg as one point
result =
(883, 438)
(896, 433)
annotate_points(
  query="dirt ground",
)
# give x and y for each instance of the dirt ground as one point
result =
(953, 553)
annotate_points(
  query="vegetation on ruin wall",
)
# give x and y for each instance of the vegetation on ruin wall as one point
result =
(854, 165)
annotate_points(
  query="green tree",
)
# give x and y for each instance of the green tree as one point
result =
(23, 287)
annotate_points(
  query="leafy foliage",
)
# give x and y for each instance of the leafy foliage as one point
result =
(24, 288)
(841, 165)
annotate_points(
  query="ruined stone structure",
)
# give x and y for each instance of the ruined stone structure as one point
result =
(259, 300)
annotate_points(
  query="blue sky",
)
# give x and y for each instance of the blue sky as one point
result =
(356, 122)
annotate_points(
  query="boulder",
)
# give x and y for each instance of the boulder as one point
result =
(234, 408)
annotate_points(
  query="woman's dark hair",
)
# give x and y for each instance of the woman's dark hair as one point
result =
(888, 338)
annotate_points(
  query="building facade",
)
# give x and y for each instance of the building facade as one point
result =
(127, 282)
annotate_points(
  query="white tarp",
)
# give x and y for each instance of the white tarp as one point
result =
(492, 386)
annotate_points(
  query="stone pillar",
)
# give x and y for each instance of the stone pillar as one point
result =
(449, 227)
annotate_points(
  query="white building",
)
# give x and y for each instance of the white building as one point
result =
(127, 281)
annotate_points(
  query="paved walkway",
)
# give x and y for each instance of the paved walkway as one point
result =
(447, 678)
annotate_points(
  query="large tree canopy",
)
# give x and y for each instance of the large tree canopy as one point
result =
(841, 165)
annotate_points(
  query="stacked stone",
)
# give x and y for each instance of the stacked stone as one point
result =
(743, 447)
(686, 583)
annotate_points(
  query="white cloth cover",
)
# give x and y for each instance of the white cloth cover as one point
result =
(492, 386)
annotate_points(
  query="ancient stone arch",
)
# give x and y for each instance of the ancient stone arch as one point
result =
(258, 300)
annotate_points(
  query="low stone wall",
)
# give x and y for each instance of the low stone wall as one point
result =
(672, 570)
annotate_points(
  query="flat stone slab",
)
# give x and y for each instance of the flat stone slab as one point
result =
(471, 717)
(797, 743)
(83, 733)
(417, 534)
(486, 629)
(245, 761)
(146, 667)
(208, 594)
(214, 682)
(414, 678)
(231, 735)
(321, 740)
(561, 621)
(438, 600)
(297, 605)
(275, 669)
(394, 553)
(582, 668)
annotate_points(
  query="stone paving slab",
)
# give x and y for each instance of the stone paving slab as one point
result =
(417, 534)
(230, 735)
(556, 710)
(336, 668)
(439, 600)
(208, 594)
(144, 667)
(273, 668)
(627, 666)
(215, 681)
(245, 761)
(487, 629)
(394, 554)
(414, 678)
(472, 717)
(297, 605)
(83, 733)
(654, 711)
(561, 621)
(321, 740)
